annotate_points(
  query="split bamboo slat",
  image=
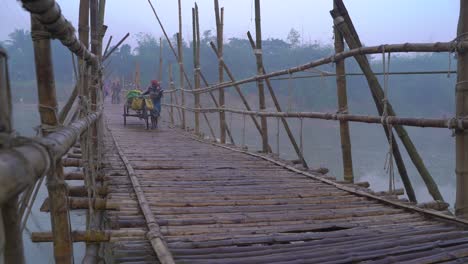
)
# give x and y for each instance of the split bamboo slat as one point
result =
(218, 204)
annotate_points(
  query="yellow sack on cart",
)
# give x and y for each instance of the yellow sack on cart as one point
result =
(149, 104)
(137, 103)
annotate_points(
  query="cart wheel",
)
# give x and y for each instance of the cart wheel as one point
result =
(125, 114)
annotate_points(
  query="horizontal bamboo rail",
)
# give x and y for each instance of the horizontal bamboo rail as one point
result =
(90, 236)
(75, 203)
(21, 166)
(450, 123)
(389, 48)
(48, 12)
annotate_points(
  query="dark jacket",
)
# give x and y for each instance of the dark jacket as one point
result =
(154, 92)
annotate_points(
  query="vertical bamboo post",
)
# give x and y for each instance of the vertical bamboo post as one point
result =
(343, 108)
(196, 66)
(160, 75)
(461, 99)
(261, 92)
(10, 230)
(181, 64)
(278, 108)
(137, 76)
(171, 87)
(58, 193)
(343, 22)
(221, 97)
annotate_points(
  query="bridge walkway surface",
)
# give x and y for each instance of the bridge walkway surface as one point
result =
(217, 204)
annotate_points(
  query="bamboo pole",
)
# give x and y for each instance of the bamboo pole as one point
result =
(343, 108)
(377, 93)
(107, 46)
(393, 48)
(221, 97)
(450, 123)
(57, 188)
(160, 74)
(278, 108)
(461, 99)
(196, 66)
(171, 86)
(10, 229)
(108, 54)
(238, 89)
(261, 92)
(181, 63)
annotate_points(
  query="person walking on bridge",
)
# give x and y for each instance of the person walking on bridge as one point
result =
(155, 92)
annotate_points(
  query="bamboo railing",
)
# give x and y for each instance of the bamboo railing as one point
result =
(344, 32)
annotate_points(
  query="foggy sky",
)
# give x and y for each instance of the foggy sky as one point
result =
(377, 21)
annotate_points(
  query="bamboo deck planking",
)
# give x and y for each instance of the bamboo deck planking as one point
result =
(214, 205)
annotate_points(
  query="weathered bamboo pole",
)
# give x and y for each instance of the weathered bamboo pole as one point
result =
(10, 229)
(278, 108)
(378, 95)
(49, 14)
(239, 91)
(76, 203)
(393, 48)
(68, 105)
(171, 86)
(160, 74)
(345, 138)
(181, 63)
(450, 123)
(261, 90)
(196, 66)
(57, 188)
(107, 46)
(107, 55)
(461, 108)
(221, 97)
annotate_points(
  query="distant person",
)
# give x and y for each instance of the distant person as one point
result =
(155, 93)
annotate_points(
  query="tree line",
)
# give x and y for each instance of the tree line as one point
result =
(421, 95)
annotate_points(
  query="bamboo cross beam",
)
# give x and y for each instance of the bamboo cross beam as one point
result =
(278, 108)
(107, 55)
(393, 48)
(238, 89)
(378, 96)
(107, 46)
(49, 14)
(76, 203)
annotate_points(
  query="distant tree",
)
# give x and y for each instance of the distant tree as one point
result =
(294, 38)
(207, 36)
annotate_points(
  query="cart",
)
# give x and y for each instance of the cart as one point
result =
(141, 107)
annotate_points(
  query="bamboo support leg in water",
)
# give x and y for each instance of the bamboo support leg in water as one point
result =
(60, 219)
(346, 29)
(343, 108)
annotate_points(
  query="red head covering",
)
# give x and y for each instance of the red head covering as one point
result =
(154, 82)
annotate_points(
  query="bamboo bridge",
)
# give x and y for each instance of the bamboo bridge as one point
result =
(180, 194)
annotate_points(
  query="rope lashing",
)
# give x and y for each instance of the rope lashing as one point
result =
(38, 35)
(388, 164)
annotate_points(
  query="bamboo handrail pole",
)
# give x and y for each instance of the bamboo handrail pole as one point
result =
(447, 123)
(171, 110)
(56, 186)
(107, 46)
(278, 108)
(378, 95)
(107, 55)
(260, 84)
(49, 14)
(461, 107)
(341, 86)
(238, 89)
(393, 48)
(213, 98)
